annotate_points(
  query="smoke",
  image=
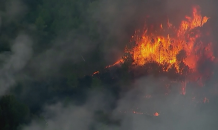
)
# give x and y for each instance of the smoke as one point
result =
(175, 110)
(15, 9)
(133, 110)
(65, 118)
(117, 21)
(12, 63)
(73, 48)
(71, 116)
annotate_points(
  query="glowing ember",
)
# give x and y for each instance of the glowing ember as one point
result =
(156, 114)
(96, 72)
(173, 50)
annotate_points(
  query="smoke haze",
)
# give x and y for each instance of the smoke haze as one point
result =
(133, 111)
(14, 62)
(116, 21)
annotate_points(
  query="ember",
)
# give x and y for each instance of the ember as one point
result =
(156, 114)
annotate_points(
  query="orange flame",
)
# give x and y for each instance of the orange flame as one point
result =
(172, 50)
(176, 46)
(116, 63)
(96, 72)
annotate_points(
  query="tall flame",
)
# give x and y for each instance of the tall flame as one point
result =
(172, 47)
(171, 50)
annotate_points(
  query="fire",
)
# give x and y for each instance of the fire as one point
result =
(172, 49)
(116, 63)
(156, 114)
(96, 72)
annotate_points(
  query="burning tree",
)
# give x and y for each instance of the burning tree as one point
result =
(177, 52)
(179, 49)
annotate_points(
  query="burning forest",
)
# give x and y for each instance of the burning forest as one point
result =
(171, 47)
(108, 65)
(176, 52)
